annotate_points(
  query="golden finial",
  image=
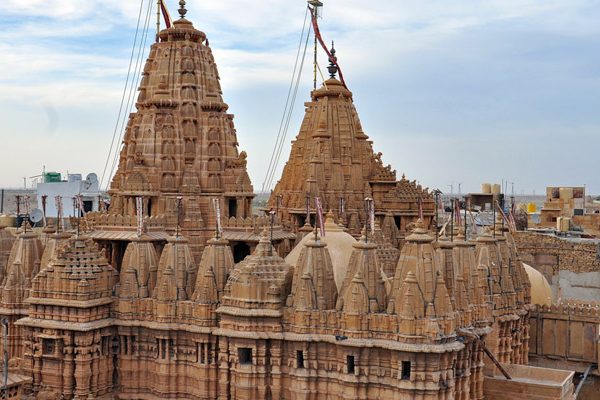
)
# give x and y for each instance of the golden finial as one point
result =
(182, 9)
(333, 68)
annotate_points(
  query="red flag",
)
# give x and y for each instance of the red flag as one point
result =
(457, 215)
(332, 59)
(166, 15)
(217, 207)
(79, 200)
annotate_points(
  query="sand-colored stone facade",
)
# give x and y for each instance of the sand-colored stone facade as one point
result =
(333, 158)
(156, 306)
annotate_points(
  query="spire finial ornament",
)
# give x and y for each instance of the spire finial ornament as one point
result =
(333, 69)
(182, 9)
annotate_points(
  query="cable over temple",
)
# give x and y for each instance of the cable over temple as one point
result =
(332, 58)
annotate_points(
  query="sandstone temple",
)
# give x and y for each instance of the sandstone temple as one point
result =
(178, 291)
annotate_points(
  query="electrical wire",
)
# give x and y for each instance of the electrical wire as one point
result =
(290, 112)
(280, 139)
(108, 157)
(133, 88)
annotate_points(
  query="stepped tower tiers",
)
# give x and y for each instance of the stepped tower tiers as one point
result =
(181, 142)
(68, 332)
(333, 158)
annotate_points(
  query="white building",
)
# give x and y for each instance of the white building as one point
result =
(74, 185)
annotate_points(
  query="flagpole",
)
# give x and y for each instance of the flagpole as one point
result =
(466, 218)
(158, 4)
(452, 220)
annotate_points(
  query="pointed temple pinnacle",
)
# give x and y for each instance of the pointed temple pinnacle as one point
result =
(182, 9)
(333, 69)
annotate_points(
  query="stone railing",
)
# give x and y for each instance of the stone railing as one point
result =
(253, 222)
(565, 335)
(97, 219)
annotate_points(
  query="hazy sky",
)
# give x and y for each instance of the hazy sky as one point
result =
(450, 91)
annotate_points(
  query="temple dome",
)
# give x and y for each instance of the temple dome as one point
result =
(339, 244)
(541, 291)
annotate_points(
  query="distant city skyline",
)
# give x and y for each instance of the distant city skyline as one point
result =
(449, 91)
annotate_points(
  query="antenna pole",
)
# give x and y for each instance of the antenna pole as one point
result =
(158, 4)
(494, 216)
(452, 219)
(466, 234)
(316, 4)
(437, 208)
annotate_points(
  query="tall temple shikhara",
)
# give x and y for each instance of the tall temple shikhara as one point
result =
(180, 148)
(157, 302)
(333, 158)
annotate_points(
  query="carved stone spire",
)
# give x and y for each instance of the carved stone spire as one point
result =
(180, 145)
(315, 263)
(176, 261)
(364, 262)
(419, 275)
(218, 258)
(333, 158)
(140, 256)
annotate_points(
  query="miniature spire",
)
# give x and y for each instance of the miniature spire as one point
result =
(333, 69)
(182, 10)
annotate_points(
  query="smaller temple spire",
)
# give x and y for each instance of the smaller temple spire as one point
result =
(182, 10)
(332, 68)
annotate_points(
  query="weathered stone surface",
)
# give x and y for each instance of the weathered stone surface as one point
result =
(134, 314)
(333, 158)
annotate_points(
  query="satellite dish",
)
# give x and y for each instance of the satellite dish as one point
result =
(36, 215)
(92, 178)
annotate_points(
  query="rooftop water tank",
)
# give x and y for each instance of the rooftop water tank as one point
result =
(52, 177)
(74, 177)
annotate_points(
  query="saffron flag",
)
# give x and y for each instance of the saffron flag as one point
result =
(372, 216)
(139, 204)
(217, 207)
(319, 209)
(59, 213)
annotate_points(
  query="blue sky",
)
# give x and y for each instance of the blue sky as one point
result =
(450, 91)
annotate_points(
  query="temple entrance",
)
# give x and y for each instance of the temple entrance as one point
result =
(240, 251)
(232, 203)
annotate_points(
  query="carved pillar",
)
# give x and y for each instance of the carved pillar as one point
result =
(240, 206)
(224, 369)
(275, 364)
(37, 365)
(68, 371)
(82, 370)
